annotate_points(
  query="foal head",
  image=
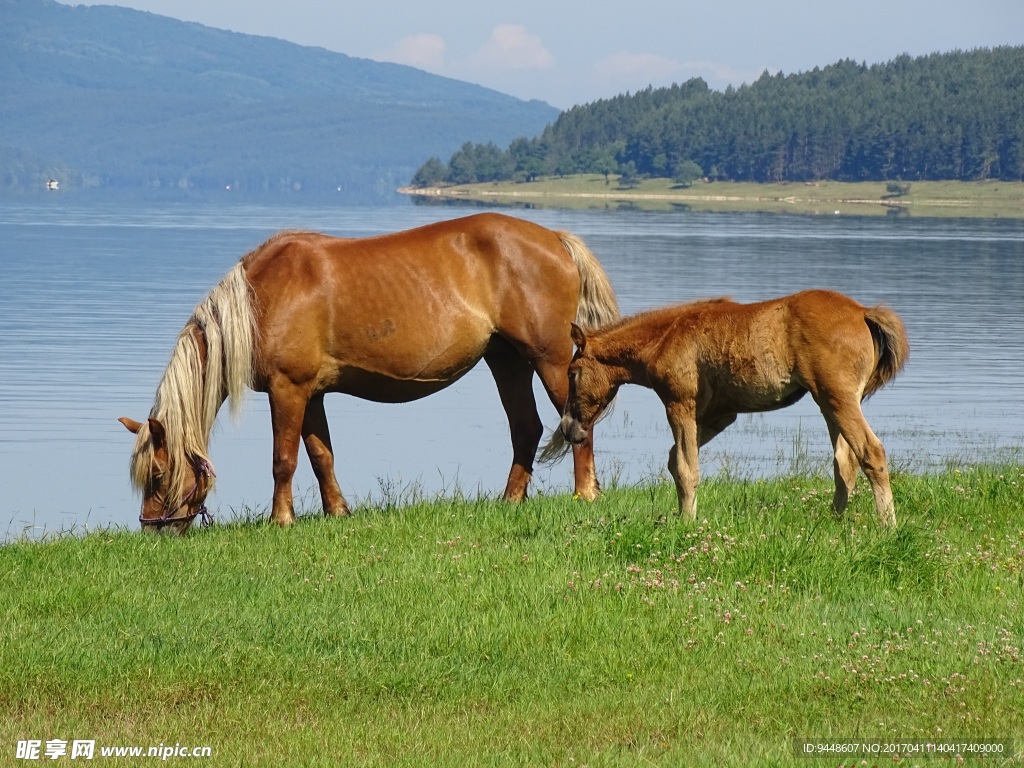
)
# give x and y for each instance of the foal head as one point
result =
(591, 390)
(172, 495)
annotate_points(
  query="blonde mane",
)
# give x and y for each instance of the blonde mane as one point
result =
(191, 391)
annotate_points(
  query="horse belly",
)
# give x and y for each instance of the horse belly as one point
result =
(389, 363)
(370, 385)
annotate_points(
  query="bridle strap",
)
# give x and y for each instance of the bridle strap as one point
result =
(203, 469)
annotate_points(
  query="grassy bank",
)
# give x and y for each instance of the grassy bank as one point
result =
(555, 633)
(989, 199)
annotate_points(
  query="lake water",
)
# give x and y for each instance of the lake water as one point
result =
(93, 296)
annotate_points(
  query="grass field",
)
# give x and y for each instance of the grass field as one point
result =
(988, 199)
(459, 632)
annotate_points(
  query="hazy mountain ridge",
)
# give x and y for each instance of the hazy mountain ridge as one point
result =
(114, 97)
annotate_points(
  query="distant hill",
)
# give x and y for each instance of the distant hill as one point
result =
(113, 98)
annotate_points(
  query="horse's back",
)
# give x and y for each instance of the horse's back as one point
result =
(417, 305)
(478, 254)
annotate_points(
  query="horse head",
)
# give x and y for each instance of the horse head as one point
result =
(172, 496)
(591, 391)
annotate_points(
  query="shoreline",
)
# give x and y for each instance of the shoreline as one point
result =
(939, 199)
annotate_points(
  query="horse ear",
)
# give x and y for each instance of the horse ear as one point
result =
(157, 434)
(131, 425)
(579, 338)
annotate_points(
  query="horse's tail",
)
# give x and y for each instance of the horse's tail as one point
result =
(192, 390)
(597, 304)
(892, 348)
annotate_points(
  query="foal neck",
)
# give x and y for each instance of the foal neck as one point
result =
(623, 357)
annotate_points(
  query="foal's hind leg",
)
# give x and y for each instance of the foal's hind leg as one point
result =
(514, 377)
(844, 467)
(317, 437)
(846, 418)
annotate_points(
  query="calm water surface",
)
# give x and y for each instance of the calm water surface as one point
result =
(92, 298)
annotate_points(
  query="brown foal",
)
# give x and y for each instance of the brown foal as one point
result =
(711, 360)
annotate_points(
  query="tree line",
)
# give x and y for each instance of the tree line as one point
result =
(945, 116)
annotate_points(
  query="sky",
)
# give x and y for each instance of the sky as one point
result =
(575, 53)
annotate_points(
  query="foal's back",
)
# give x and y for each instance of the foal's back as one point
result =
(789, 322)
(761, 353)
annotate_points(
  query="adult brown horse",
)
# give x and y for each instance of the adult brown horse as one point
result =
(392, 319)
(711, 360)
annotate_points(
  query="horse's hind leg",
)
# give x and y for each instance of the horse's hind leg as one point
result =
(555, 379)
(513, 375)
(317, 437)
(845, 417)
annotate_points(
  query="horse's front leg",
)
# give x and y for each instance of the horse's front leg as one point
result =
(287, 412)
(682, 458)
(584, 473)
(317, 437)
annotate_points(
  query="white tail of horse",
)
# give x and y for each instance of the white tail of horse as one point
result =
(597, 304)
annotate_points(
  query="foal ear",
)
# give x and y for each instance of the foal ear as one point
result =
(131, 425)
(579, 338)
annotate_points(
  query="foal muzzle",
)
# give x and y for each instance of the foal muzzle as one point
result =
(572, 430)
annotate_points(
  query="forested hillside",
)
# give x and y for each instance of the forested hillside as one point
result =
(108, 97)
(956, 115)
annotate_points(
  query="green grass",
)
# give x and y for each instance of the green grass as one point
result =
(461, 632)
(984, 199)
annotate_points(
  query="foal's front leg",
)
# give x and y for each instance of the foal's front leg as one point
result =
(682, 459)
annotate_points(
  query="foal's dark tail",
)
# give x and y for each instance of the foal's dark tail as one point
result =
(892, 347)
